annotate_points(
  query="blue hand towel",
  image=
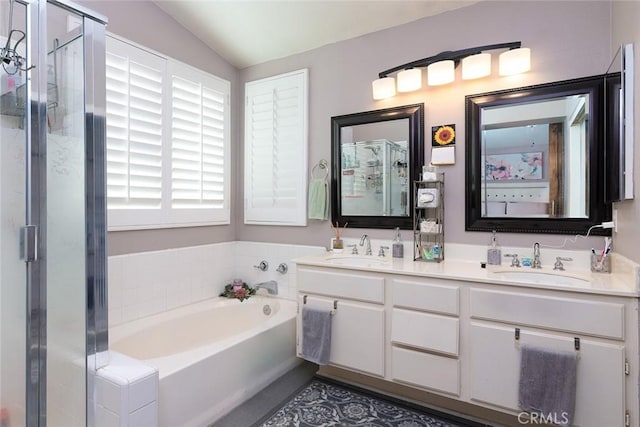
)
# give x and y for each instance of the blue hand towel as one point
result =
(318, 199)
(316, 334)
(548, 383)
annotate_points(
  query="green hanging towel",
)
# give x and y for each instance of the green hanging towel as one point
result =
(319, 199)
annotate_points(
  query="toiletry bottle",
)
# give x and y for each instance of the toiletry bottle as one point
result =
(494, 254)
(397, 247)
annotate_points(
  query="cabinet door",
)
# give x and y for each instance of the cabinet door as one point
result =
(495, 371)
(357, 334)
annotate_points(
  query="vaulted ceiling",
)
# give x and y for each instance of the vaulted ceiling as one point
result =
(250, 32)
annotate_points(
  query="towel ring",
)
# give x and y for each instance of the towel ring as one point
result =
(321, 165)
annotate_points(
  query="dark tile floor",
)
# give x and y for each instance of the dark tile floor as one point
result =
(273, 396)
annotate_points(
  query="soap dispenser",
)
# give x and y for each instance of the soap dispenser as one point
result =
(494, 254)
(397, 247)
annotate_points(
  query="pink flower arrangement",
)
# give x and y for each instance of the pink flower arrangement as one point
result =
(241, 293)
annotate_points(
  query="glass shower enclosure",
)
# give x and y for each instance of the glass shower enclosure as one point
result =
(374, 178)
(53, 324)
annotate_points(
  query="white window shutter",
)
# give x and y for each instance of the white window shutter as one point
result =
(200, 144)
(134, 81)
(276, 139)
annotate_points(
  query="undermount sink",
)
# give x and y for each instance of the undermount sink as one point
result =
(545, 277)
(355, 260)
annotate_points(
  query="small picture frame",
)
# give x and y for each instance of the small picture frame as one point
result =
(443, 135)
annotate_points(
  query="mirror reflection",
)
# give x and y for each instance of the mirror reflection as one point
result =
(374, 171)
(376, 156)
(535, 158)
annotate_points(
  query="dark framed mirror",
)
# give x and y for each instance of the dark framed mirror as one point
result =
(535, 158)
(376, 156)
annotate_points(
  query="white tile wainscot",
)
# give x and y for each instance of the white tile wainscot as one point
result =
(147, 283)
(452, 331)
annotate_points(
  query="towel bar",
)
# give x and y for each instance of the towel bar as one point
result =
(335, 304)
(576, 340)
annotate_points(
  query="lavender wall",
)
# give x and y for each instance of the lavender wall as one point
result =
(567, 39)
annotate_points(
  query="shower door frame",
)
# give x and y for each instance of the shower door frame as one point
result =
(96, 318)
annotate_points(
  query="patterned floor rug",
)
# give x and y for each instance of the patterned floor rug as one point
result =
(324, 404)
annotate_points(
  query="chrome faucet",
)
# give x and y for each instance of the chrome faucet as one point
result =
(536, 256)
(558, 264)
(363, 239)
(271, 286)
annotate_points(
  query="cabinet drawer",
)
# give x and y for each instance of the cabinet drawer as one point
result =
(428, 296)
(599, 319)
(425, 370)
(363, 287)
(426, 331)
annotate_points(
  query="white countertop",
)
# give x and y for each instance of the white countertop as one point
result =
(622, 282)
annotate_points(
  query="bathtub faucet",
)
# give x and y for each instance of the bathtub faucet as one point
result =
(271, 286)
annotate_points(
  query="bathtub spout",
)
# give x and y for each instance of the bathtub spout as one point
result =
(271, 286)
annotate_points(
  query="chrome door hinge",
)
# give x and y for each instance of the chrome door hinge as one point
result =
(627, 369)
(627, 418)
(29, 243)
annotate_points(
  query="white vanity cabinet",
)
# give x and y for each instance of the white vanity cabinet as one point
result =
(358, 321)
(445, 335)
(501, 322)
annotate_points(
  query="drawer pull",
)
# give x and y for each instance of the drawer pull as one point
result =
(304, 299)
(517, 334)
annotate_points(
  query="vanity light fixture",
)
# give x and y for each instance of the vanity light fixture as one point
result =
(476, 63)
(409, 80)
(384, 87)
(441, 72)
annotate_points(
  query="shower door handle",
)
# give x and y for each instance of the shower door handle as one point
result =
(29, 243)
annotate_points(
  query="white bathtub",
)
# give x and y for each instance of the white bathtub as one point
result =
(211, 356)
